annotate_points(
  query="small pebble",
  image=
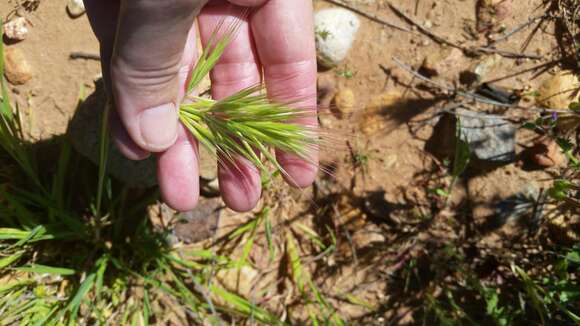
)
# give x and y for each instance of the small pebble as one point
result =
(546, 153)
(75, 8)
(345, 101)
(486, 66)
(16, 69)
(16, 29)
(478, 72)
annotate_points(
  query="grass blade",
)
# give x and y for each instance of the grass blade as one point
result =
(7, 261)
(13, 234)
(43, 269)
(103, 159)
(295, 263)
(75, 303)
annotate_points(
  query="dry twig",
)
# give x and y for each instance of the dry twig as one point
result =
(470, 95)
(465, 49)
(517, 29)
(368, 15)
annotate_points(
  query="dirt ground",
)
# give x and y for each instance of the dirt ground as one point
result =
(383, 178)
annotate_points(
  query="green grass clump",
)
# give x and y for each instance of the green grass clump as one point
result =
(77, 247)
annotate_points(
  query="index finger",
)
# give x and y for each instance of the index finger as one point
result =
(284, 35)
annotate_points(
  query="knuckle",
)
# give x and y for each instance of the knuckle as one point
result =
(234, 74)
(294, 80)
(150, 77)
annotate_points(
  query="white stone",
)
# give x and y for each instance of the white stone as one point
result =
(336, 31)
(75, 8)
(16, 29)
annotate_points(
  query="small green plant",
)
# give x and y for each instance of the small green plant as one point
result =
(361, 159)
(559, 126)
(346, 72)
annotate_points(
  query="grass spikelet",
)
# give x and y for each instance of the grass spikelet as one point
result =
(246, 124)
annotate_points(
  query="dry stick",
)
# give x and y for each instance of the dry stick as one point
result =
(546, 65)
(368, 15)
(508, 54)
(469, 95)
(446, 88)
(467, 50)
(517, 30)
(530, 37)
(425, 31)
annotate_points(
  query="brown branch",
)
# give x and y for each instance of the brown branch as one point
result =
(433, 36)
(470, 95)
(368, 15)
(465, 49)
(517, 29)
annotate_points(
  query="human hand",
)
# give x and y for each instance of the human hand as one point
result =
(148, 48)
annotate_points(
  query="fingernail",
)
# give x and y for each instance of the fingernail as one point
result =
(159, 127)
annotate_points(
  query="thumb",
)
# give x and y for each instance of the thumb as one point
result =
(145, 67)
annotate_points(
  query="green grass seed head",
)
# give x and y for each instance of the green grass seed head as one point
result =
(246, 122)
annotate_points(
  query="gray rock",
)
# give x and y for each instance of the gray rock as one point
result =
(336, 31)
(201, 223)
(83, 131)
(490, 138)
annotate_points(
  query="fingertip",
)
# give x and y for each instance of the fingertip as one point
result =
(158, 127)
(298, 172)
(178, 175)
(240, 185)
(182, 205)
